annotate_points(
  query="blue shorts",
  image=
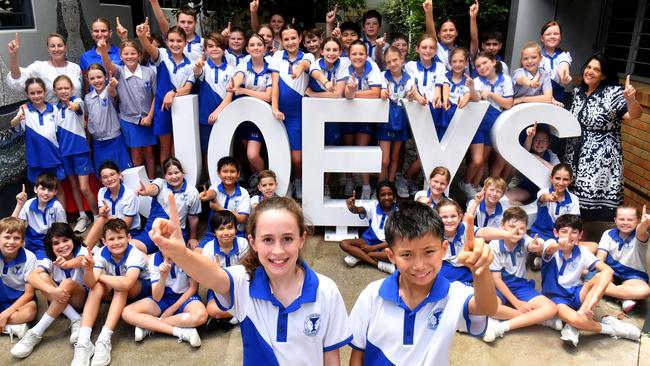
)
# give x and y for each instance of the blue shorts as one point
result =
(572, 300)
(523, 289)
(348, 128)
(36, 247)
(169, 300)
(294, 132)
(151, 246)
(204, 136)
(251, 132)
(136, 135)
(365, 128)
(483, 135)
(333, 135)
(145, 291)
(453, 273)
(77, 164)
(162, 120)
(5, 304)
(384, 133)
(114, 150)
(34, 171)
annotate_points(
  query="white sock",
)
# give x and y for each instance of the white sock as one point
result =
(504, 326)
(105, 334)
(176, 331)
(84, 335)
(42, 325)
(71, 313)
(83, 214)
(606, 329)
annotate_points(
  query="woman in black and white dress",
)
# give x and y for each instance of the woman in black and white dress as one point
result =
(600, 104)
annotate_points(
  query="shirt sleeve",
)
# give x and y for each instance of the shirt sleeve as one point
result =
(474, 325)
(30, 265)
(25, 73)
(131, 206)
(195, 203)
(46, 264)
(507, 87)
(496, 265)
(605, 242)
(565, 57)
(245, 205)
(359, 319)
(337, 331)
(237, 300)
(343, 72)
(375, 77)
(59, 213)
(274, 65)
(100, 262)
(23, 211)
(546, 257)
(154, 273)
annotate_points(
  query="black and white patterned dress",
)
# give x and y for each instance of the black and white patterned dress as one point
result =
(597, 156)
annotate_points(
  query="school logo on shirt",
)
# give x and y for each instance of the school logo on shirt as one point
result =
(17, 269)
(182, 196)
(312, 325)
(147, 85)
(433, 319)
(104, 102)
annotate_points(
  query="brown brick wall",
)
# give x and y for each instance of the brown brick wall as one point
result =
(636, 151)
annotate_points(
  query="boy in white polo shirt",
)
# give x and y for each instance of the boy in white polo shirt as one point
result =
(563, 262)
(17, 305)
(410, 317)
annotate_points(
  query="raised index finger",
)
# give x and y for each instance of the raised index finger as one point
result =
(173, 211)
(627, 81)
(17, 38)
(469, 231)
(25, 191)
(117, 20)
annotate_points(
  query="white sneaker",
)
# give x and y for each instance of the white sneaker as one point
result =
(297, 188)
(26, 345)
(492, 331)
(348, 188)
(141, 333)
(570, 334)
(326, 191)
(553, 323)
(75, 325)
(102, 355)
(351, 261)
(402, 187)
(82, 354)
(191, 336)
(628, 305)
(386, 267)
(82, 224)
(365, 192)
(622, 329)
(16, 330)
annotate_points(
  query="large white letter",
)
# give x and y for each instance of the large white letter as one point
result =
(275, 136)
(318, 158)
(451, 150)
(185, 124)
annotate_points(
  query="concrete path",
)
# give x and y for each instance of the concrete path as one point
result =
(530, 347)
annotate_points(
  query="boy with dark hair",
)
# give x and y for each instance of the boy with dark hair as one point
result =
(563, 262)
(415, 302)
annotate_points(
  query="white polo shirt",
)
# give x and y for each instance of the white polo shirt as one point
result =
(126, 204)
(510, 263)
(548, 212)
(132, 258)
(376, 221)
(14, 275)
(390, 333)
(625, 256)
(485, 219)
(238, 251)
(59, 274)
(177, 280)
(560, 275)
(316, 322)
(239, 201)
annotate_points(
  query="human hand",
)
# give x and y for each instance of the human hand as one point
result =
(476, 254)
(385, 94)
(59, 295)
(146, 121)
(254, 6)
(198, 65)
(536, 245)
(142, 190)
(166, 233)
(330, 17)
(350, 202)
(104, 211)
(88, 262)
(427, 6)
(336, 32)
(629, 93)
(122, 33)
(522, 306)
(531, 131)
(14, 45)
(61, 262)
(226, 32)
(473, 10)
(168, 100)
(21, 197)
(277, 114)
(534, 82)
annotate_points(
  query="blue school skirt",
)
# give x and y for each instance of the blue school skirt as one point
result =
(558, 91)
(445, 119)
(162, 119)
(293, 125)
(112, 149)
(137, 136)
(395, 129)
(485, 128)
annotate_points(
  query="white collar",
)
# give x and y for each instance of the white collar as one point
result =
(136, 73)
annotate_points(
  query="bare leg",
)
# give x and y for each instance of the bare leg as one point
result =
(253, 149)
(353, 247)
(633, 289)
(165, 146)
(91, 199)
(193, 316)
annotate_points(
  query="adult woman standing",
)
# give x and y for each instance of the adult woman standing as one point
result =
(46, 70)
(600, 104)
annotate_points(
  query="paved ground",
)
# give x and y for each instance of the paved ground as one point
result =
(534, 346)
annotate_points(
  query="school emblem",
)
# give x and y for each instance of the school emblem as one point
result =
(17, 269)
(433, 319)
(312, 325)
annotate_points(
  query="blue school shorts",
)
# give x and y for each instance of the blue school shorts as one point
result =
(137, 136)
(77, 164)
(384, 133)
(483, 135)
(170, 299)
(572, 300)
(151, 246)
(34, 171)
(523, 289)
(113, 149)
(162, 119)
(36, 246)
(293, 125)
(452, 273)
(145, 291)
(333, 135)
(204, 136)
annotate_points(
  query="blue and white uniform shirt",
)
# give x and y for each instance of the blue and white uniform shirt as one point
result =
(257, 81)
(70, 132)
(398, 89)
(373, 49)
(370, 78)
(625, 256)
(390, 333)
(502, 86)
(510, 263)
(484, 219)
(187, 201)
(39, 221)
(214, 82)
(561, 276)
(239, 201)
(456, 90)
(552, 63)
(41, 145)
(126, 204)
(103, 121)
(234, 59)
(314, 323)
(548, 212)
(427, 78)
(59, 274)
(291, 90)
(93, 57)
(456, 245)
(213, 251)
(14, 275)
(132, 258)
(427, 193)
(442, 55)
(339, 72)
(376, 221)
(171, 75)
(177, 280)
(194, 48)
